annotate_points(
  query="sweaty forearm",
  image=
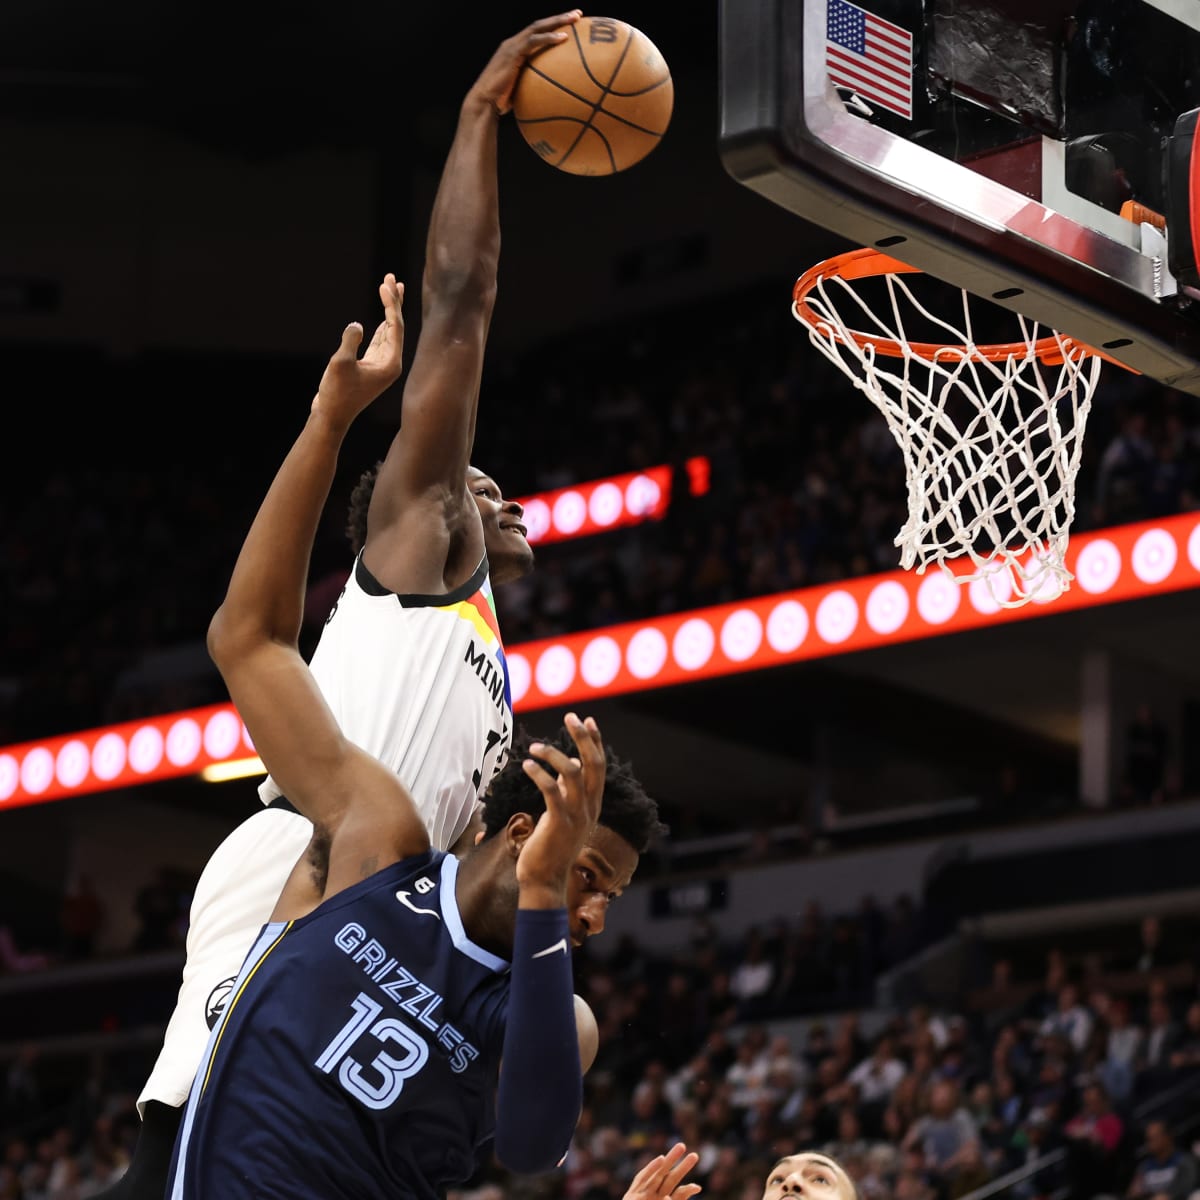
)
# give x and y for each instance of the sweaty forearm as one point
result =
(541, 1083)
(463, 245)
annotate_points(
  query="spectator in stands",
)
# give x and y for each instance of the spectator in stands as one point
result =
(1070, 1020)
(751, 979)
(1124, 1040)
(1093, 1136)
(1162, 1037)
(1186, 1055)
(1164, 1172)
(875, 1078)
(1035, 1139)
(945, 1136)
(1152, 953)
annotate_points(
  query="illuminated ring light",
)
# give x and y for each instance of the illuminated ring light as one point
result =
(1193, 547)
(741, 635)
(837, 617)
(535, 516)
(606, 504)
(600, 662)
(570, 512)
(71, 764)
(646, 653)
(938, 598)
(1154, 556)
(109, 757)
(555, 670)
(1098, 567)
(222, 734)
(887, 607)
(787, 626)
(642, 495)
(37, 770)
(693, 644)
(991, 590)
(10, 776)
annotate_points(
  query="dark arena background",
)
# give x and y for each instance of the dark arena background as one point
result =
(929, 898)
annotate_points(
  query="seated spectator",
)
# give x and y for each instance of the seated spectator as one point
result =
(1186, 1055)
(751, 980)
(946, 1135)
(1164, 1172)
(1070, 1019)
(1163, 1035)
(1124, 1040)
(849, 1142)
(1093, 1136)
(875, 1078)
(1035, 1139)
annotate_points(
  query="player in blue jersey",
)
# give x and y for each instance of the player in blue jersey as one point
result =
(411, 660)
(400, 1009)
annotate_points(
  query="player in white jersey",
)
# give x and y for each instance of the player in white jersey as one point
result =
(411, 661)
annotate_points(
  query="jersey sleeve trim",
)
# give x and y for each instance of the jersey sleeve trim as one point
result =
(453, 919)
(369, 584)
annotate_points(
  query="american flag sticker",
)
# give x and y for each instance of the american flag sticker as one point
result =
(870, 55)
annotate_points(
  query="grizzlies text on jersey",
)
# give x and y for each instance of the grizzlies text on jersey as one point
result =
(375, 1025)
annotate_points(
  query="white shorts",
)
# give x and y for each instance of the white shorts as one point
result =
(234, 899)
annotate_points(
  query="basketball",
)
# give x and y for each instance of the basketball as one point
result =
(597, 102)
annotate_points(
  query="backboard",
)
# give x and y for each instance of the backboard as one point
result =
(993, 144)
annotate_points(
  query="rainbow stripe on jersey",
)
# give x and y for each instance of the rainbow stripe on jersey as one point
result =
(479, 611)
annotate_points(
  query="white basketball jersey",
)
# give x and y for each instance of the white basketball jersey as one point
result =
(421, 683)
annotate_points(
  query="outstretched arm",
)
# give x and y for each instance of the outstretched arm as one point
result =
(423, 531)
(253, 635)
(541, 1081)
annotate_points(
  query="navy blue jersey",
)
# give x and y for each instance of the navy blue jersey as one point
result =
(358, 1054)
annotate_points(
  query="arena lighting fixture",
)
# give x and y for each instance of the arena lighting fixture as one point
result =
(604, 504)
(236, 768)
(1124, 563)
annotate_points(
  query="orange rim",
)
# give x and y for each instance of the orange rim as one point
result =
(868, 263)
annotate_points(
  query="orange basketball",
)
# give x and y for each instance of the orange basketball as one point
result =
(597, 102)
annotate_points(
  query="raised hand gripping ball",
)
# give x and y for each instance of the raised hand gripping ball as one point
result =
(597, 102)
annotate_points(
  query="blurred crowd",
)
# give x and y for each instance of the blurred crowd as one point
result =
(1099, 1062)
(112, 562)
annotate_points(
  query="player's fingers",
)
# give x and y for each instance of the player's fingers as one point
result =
(648, 1173)
(351, 340)
(686, 1191)
(588, 741)
(552, 755)
(546, 783)
(546, 24)
(538, 41)
(679, 1170)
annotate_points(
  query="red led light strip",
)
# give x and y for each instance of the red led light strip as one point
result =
(1128, 562)
(604, 504)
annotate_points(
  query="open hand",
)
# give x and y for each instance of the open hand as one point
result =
(351, 383)
(661, 1178)
(495, 85)
(573, 803)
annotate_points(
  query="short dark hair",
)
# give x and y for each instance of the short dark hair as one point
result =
(360, 502)
(626, 809)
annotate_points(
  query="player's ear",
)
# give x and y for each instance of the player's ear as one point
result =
(516, 832)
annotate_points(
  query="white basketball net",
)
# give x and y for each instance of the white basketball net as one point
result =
(991, 448)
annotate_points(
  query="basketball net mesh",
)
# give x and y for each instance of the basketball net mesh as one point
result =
(991, 449)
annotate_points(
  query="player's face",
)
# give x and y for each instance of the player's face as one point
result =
(602, 872)
(809, 1177)
(509, 555)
